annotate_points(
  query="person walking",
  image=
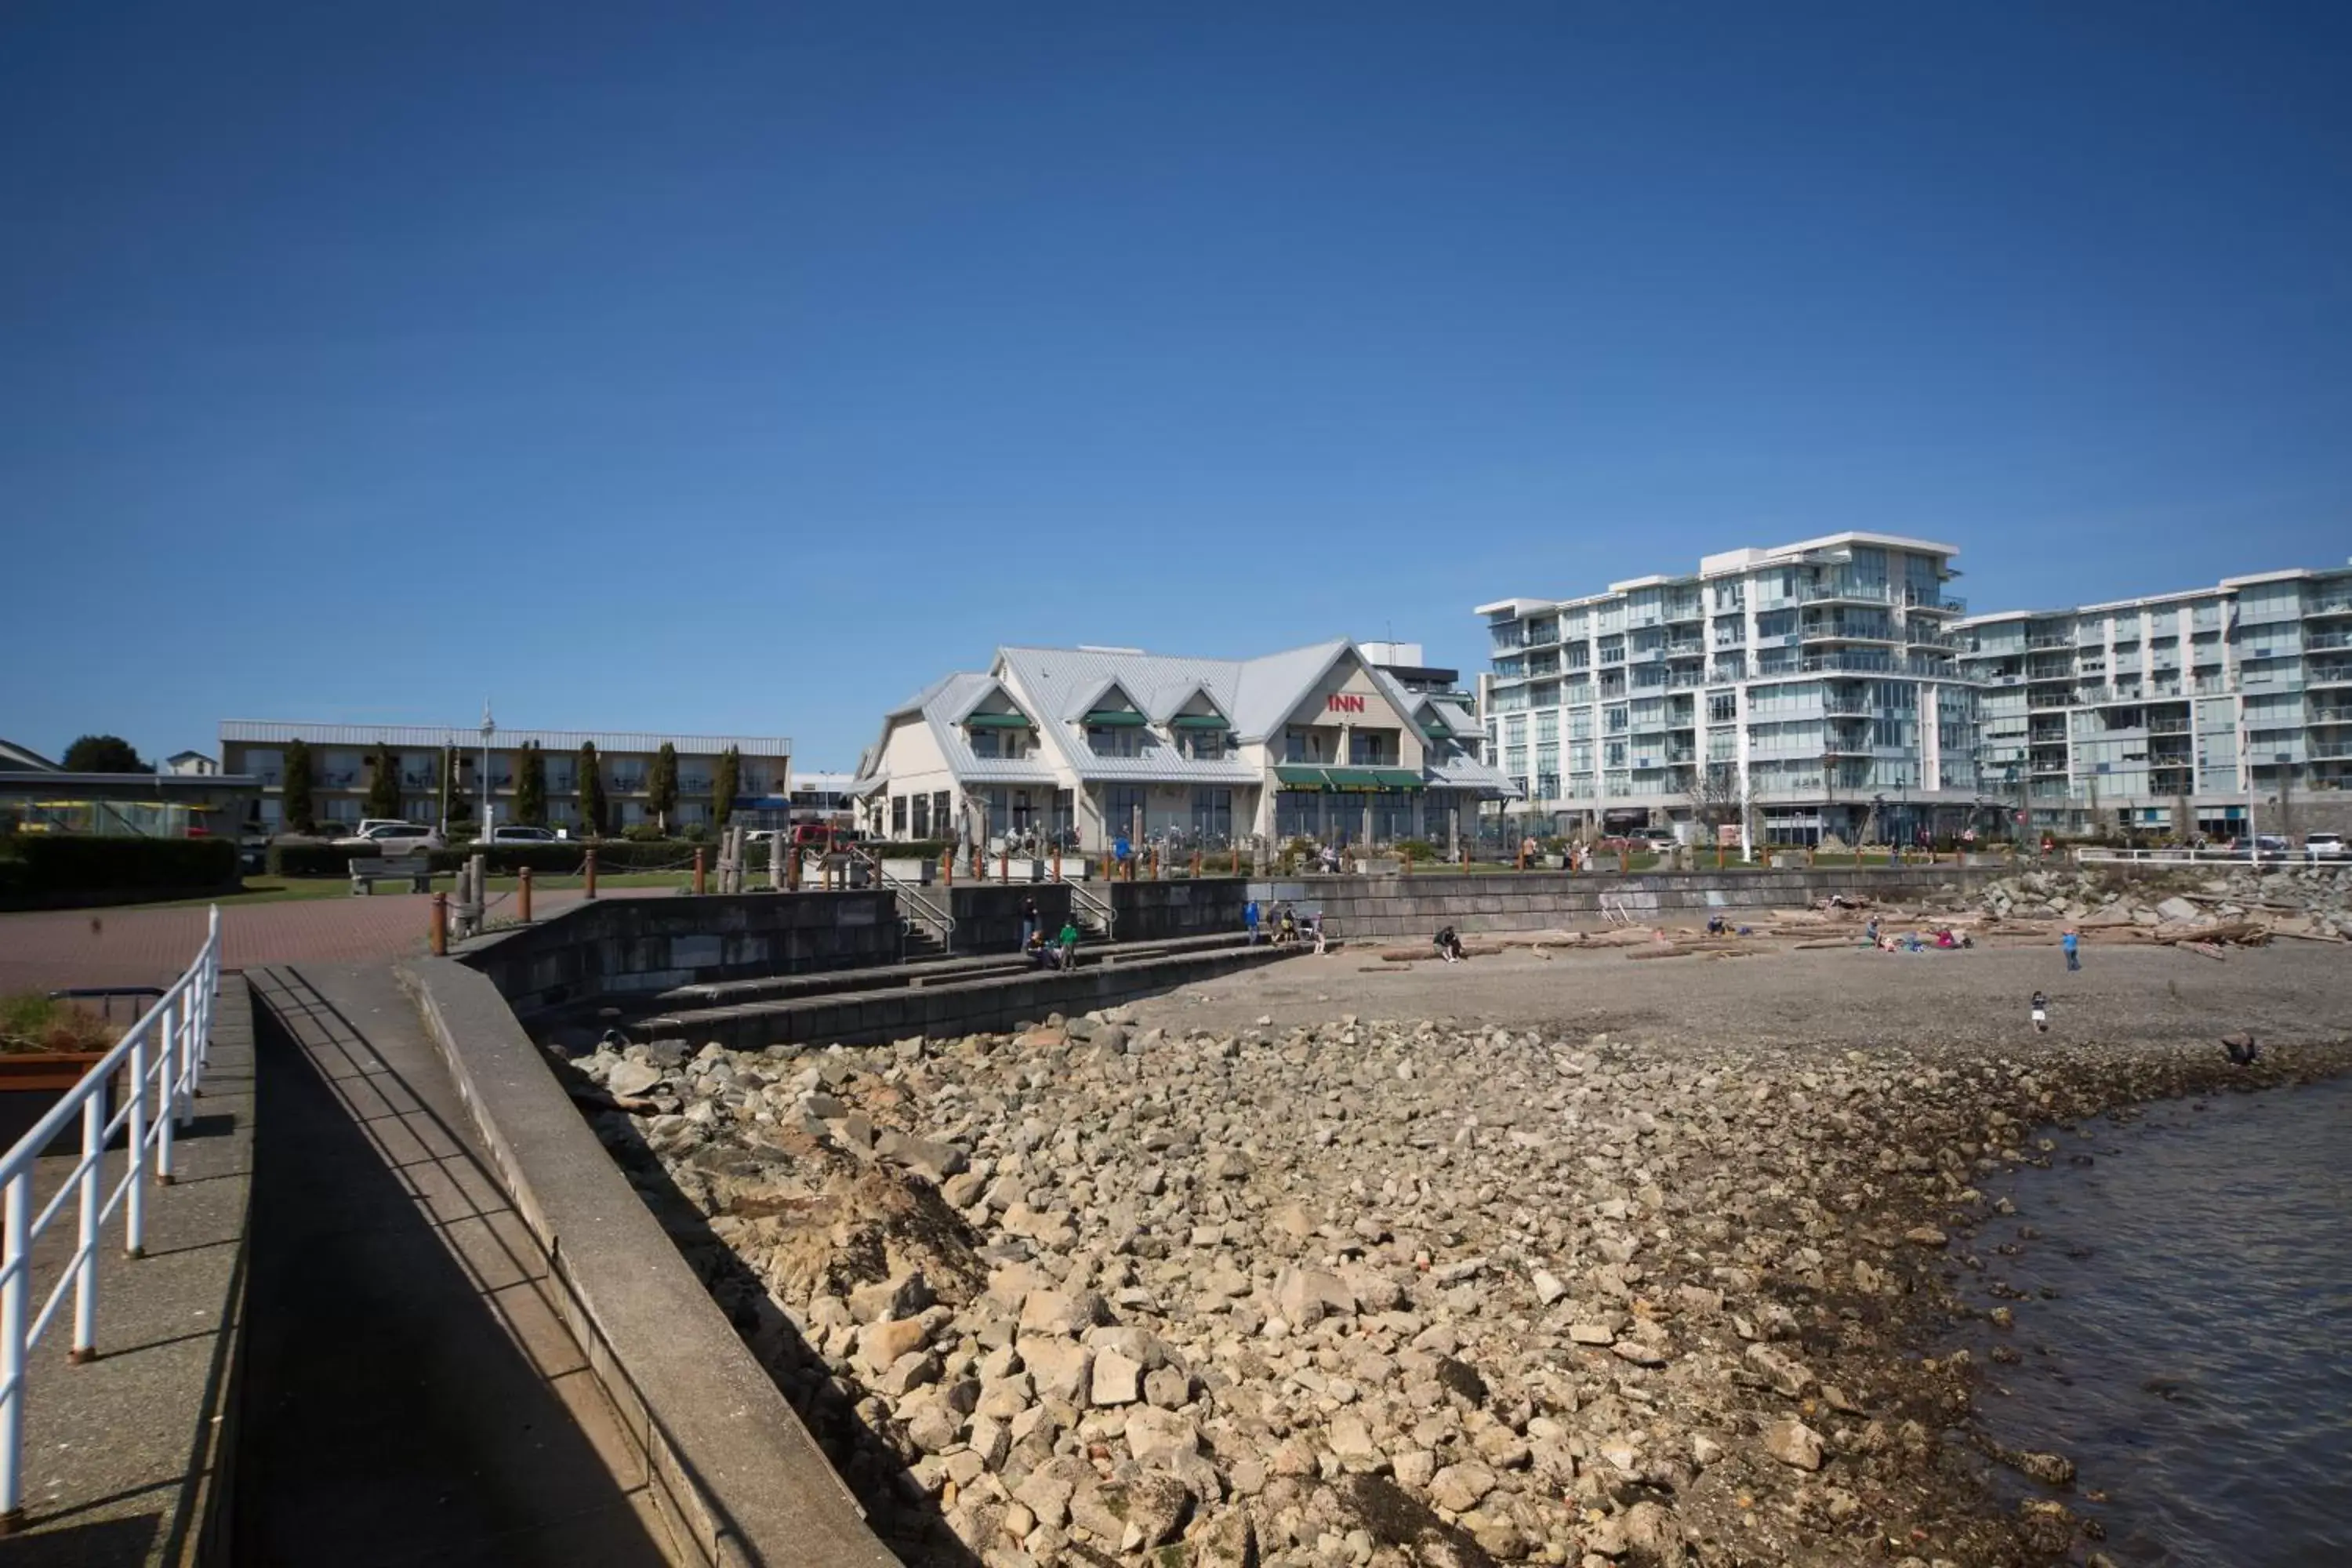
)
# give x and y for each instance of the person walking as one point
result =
(1250, 920)
(2072, 942)
(1030, 924)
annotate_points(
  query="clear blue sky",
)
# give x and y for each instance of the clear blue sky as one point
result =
(743, 368)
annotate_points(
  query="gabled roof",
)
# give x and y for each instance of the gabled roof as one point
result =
(943, 706)
(17, 758)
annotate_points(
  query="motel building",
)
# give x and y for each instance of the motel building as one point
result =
(1086, 745)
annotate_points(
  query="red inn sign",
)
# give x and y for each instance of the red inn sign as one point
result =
(1343, 702)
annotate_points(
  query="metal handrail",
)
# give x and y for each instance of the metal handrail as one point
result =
(164, 1052)
(933, 918)
(1083, 898)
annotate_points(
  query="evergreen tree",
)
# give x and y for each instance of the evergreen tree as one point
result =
(384, 785)
(448, 784)
(296, 788)
(530, 786)
(661, 788)
(592, 792)
(722, 787)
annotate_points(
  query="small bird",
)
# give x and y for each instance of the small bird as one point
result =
(2242, 1048)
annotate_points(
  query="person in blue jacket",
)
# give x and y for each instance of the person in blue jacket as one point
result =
(1249, 920)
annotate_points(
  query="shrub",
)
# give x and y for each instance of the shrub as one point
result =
(1416, 849)
(661, 788)
(644, 833)
(591, 788)
(315, 859)
(383, 784)
(31, 1022)
(47, 866)
(530, 786)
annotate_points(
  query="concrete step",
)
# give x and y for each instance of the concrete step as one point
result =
(927, 972)
(980, 1001)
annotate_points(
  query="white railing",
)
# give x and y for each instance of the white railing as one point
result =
(161, 1061)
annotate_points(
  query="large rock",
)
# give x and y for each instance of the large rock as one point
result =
(1134, 1515)
(1793, 1442)
(1117, 1379)
(1061, 1369)
(1305, 1295)
(631, 1080)
(1155, 1437)
(1062, 1311)
(1457, 1488)
(880, 1344)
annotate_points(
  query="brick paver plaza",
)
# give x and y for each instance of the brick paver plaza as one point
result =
(52, 949)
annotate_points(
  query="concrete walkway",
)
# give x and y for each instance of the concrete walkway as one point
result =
(410, 1393)
(122, 1454)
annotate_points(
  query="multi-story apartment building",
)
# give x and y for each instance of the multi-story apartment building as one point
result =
(1813, 688)
(344, 757)
(2189, 706)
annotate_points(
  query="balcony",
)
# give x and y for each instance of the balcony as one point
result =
(2326, 642)
(1686, 647)
(2049, 640)
(2331, 716)
(1844, 592)
(2042, 699)
(2330, 604)
(2330, 751)
(2330, 674)
(2167, 727)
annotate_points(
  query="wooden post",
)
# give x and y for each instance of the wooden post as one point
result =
(947, 868)
(699, 886)
(1057, 860)
(1004, 863)
(440, 926)
(588, 873)
(1196, 865)
(522, 895)
(1237, 860)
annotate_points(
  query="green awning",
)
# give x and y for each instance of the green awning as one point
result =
(1116, 719)
(1437, 732)
(1397, 778)
(1298, 776)
(1198, 721)
(1355, 778)
(997, 722)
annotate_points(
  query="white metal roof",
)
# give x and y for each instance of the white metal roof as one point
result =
(272, 731)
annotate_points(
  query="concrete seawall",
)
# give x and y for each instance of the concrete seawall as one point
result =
(738, 1479)
(1379, 907)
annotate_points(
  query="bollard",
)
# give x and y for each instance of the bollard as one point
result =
(1058, 862)
(440, 928)
(1196, 865)
(588, 873)
(1235, 870)
(1004, 863)
(522, 895)
(947, 868)
(698, 873)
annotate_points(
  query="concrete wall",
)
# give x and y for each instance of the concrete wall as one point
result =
(625, 945)
(988, 918)
(1154, 911)
(970, 1007)
(734, 1474)
(1416, 906)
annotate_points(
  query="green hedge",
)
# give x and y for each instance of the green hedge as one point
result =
(45, 866)
(315, 860)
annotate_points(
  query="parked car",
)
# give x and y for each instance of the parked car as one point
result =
(2324, 845)
(393, 838)
(368, 824)
(2274, 844)
(518, 833)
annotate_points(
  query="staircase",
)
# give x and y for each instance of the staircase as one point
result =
(1091, 913)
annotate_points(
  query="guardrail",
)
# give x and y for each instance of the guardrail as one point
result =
(1082, 898)
(2293, 855)
(162, 1057)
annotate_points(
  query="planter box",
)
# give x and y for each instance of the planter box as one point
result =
(32, 1082)
(922, 873)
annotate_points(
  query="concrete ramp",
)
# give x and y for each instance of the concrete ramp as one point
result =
(410, 1392)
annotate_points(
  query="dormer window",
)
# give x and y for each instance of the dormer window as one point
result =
(1007, 734)
(1205, 737)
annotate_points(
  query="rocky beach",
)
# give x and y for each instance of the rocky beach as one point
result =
(1561, 1260)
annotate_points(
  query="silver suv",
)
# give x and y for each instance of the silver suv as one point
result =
(2324, 847)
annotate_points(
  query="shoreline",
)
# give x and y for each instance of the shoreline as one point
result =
(1436, 1289)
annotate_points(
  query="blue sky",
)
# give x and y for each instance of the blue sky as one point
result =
(741, 369)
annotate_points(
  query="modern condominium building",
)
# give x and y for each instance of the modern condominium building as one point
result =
(1818, 683)
(2136, 712)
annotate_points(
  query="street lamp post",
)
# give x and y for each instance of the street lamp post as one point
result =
(490, 728)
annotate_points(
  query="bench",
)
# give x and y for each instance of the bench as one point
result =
(416, 870)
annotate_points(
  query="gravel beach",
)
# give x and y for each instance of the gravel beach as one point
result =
(1560, 1258)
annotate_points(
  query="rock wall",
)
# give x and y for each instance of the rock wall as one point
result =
(988, 916)
(1155, 912)
(1362, 907)
(625, 945)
